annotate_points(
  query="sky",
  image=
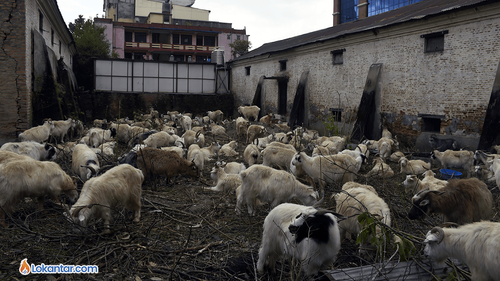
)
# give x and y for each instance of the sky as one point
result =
(265, 21)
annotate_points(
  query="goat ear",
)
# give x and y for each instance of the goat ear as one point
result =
(424, 203)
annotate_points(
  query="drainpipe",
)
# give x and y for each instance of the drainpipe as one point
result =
(336, 12)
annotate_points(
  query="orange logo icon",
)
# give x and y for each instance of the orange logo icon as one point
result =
(24, 269)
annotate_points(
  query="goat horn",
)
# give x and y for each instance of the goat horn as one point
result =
(440, 233)
(94, 172)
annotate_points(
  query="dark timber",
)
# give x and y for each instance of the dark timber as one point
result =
(257, 98)
(368, 119)
(297, 115)
(489, 133)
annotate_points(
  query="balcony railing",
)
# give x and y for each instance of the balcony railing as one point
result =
(162, 46)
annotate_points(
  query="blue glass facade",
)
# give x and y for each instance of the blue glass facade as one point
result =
(376, 7)
(348, 10)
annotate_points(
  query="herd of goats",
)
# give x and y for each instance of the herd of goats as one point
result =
(305, 232)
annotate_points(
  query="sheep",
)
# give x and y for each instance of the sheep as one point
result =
(229, 149)
(39, 133)
(216, 116)
(396, 156)
(413, 166)
(414, 185)
(84, 162)
(184, 121)
(263, 142)
(175, 149)
(281, 157)
(255, 131)
(268, 119)
(460, 201)
(119, 187)
(442, 144)
(251, 154)
(152, 161)
(61, 128)
(266, 184)
(307, 234)
(380, 170)
(234, 167)
(223, 181)
(328, 169)
(122, 132)
(351, 202)
(455, 159)
(159, 139)
(476, 244)
(32, 149)
(241, 127)
(249, 112)
(98, 136)
(45, 178)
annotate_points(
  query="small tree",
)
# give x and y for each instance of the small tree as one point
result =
(90, 42)
(240, 47)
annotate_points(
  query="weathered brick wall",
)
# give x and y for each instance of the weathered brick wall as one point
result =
(13, 81)
(456, 83)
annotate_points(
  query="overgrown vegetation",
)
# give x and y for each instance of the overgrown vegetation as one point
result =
(240, 47)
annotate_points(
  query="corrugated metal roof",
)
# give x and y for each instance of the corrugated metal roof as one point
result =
(417, 11)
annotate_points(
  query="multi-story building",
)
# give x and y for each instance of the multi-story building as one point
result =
(174, 31)
(35, 40)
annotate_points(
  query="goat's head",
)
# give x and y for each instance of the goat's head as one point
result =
(422, 203)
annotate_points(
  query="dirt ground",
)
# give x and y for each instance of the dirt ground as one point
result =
(185, 233)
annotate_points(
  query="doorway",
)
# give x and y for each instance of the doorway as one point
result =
(282, 96)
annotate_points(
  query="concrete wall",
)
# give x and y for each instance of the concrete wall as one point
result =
(456, 83)
(144, 7)
(224, 43)
(188, 13)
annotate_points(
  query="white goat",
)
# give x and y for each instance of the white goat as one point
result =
(254, 132)
(184, 121)
(380, 170)
(216, 116)
(159, 139)
(414, 185)
(455, 159)
(61, 128)
(119, 187)
(476, 244)
(229, 149)
(84, 162)
(39, 133)
(307, 234)
(223, 181)
(234, 167)
(273, 186)
(249, 112)
(354, 201)
(241, 127)
(32, 149)
(32, 178)
(279, 156)
(251, 154)
(99, 136)
(413, 166)
(178, 150)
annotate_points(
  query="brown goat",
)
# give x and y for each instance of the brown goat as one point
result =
(152, 161)
(462, 201)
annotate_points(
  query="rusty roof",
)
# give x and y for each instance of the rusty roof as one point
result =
(414, 12)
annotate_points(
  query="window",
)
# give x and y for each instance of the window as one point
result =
(40, 21)
(179, 57)
(209, 41)
(247, 70)
(229, 37)
(186, 39)
(283, 65)
(338, 56)
(52, 37)
(139, 56)
(431, 123)
(141, 37)
(199, 40)
(348, 10)
(434, 42)
(381, 6)
(337, 114)
(201, 58)
(128, 55)
(156, 38)
(175, 38)
(128, 36)
(59, 47)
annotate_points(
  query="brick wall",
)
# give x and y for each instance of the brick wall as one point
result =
(14, 85)
(456, 83)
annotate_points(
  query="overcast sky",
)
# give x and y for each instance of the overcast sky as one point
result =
(265, 21)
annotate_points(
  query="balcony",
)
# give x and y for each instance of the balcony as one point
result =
(151, 47)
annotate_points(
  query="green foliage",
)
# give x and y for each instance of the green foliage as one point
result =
(91, 42)
(331, 125)
(406, 248)
(240, 47)
(368, 233)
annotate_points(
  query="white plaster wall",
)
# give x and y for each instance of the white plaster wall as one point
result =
(456, 83)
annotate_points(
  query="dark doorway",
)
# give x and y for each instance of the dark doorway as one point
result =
(282, 95)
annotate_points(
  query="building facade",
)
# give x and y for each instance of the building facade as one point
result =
(151, 30)
(35, 33)
(437, 59)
